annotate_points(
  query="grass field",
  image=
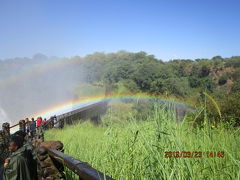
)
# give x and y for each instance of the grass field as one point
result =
(137, 149)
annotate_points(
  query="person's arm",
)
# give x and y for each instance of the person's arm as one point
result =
(10, 171)
(17, 170)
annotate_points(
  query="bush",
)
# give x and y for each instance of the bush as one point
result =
(236, 86)
(204, 71)
(143, 109)
(236, 74)
(233, 62)
(222, 80)
(230, 107)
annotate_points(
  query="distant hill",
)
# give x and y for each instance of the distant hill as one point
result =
(180, 77)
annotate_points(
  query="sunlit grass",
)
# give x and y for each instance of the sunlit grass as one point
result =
(136, 149)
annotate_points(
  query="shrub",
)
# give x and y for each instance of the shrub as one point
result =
(222, 80)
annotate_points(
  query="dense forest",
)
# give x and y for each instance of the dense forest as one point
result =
(139, 72)
(182, 78)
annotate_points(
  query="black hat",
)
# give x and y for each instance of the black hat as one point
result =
(20, 133)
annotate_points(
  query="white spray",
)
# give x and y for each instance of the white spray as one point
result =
(3, 117)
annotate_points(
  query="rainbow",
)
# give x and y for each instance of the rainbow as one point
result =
(35, 70)
(81, 102)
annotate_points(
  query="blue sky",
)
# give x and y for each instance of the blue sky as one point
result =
(165, 28)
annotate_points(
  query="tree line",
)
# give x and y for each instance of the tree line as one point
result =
(183, 78)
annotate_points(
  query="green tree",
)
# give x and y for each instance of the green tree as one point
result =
(230, 108)
(236, 86)
(234, 61)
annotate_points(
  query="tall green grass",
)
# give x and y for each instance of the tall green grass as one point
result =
(136, 149)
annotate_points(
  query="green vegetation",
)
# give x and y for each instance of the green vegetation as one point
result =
(132, 139)
(182, 78)
(126, 147)
(87, 90)
(222, 80)
(147, 74)
(139, 72)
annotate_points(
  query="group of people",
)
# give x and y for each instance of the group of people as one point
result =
(21, 163)
(32, 126)
(21, 160)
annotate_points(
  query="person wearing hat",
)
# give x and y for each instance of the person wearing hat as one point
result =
(16, 166)
(29, 153)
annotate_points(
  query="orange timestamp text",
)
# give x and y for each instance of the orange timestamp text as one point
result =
(193, 154)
